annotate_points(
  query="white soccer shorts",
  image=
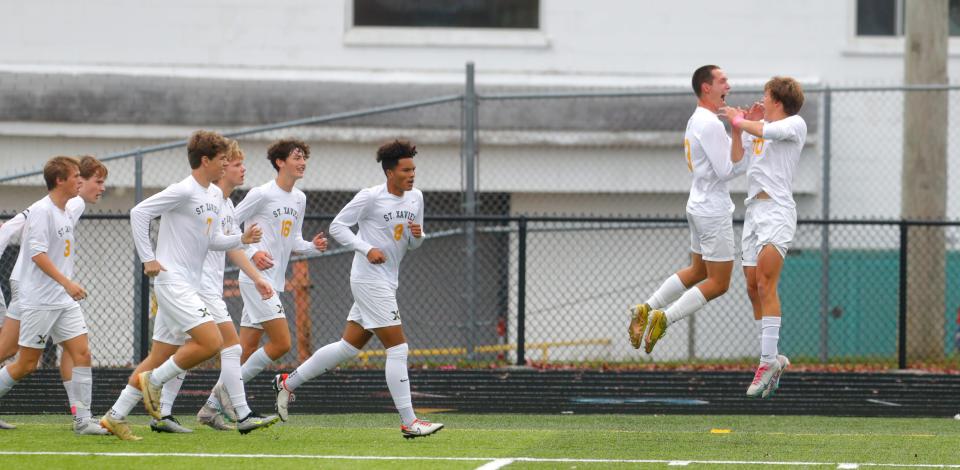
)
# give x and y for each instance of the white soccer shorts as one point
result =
(179, 310)
(712, 237)
(217, 308)
(374, 306)
(13, 308)
(58, 324)
(256, 310)
(767, 223)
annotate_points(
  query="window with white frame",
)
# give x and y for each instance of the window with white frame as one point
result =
(885, 18)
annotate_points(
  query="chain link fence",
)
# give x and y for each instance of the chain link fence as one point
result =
(549, 214)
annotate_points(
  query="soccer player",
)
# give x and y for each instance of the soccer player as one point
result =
(189, 226)
(47, 302)
(707, 150)
(390, 218)
(228, 396)
(771, 218)
(277, 207)
(93, 176)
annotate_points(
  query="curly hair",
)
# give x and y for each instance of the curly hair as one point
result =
(58, 168)
(91, 167)
(787, 91)
(234, 152)
(205, 144)
(282, 148)
(391, 152)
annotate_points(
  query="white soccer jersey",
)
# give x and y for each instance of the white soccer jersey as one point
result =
(189, 227)
(774, 160)
(383, 220)
(706, 147)
(13, 230)
(214, 265)
(48, 230)
(280, 216)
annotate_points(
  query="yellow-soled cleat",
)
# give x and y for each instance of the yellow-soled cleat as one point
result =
(658, 327)
(638, 323)
(151, 395)
(119, 428)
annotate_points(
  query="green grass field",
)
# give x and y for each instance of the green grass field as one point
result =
(513, 441)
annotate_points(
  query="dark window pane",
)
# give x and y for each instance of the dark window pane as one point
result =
(954, 17)
(876, 17)
(517, 14)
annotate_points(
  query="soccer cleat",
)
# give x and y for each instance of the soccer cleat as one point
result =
(6, 425)
(762, 378)
(284, 396)
(226, 404)
(151, 395)
(638, 324)
(419, 428)
(209, 416)
(119, 428)
(89, 427)
(254, 421)
(658, 327)
(775, 381)
(168, 424)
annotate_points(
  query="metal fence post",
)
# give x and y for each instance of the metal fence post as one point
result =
(902, 322)
(825, 230)
(141, 284)
(521, 291)
(470, 208)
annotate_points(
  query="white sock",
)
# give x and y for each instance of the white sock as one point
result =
(6, 382)
(321, 361)
(670, 290)
(71, 395)
(83, 389)
(212, 400)
(129, 397)
(167, 371)
(691, 301)
(769, 339)
(169, 394)
(254, 365)
(230, 377)
(399, 383)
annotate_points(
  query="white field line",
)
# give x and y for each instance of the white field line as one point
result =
(490, 460)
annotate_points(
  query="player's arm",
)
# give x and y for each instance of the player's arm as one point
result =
(242, 213)
(789, 128)
(717, 145)
(140, 217)
(76, 291)
(221, 242)
(239, 258)
(348, 217)
(737, 119)
(12, 230)
(318, 243)
(416, 228)
(37, 243)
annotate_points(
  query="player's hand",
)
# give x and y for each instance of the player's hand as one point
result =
(76, 291)
(415, 229)
(731, 112)
(320, 242)
(251, 235)
(262, 260)
(264, 288)
(152, 268)
(755, 113)
(375, 256)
